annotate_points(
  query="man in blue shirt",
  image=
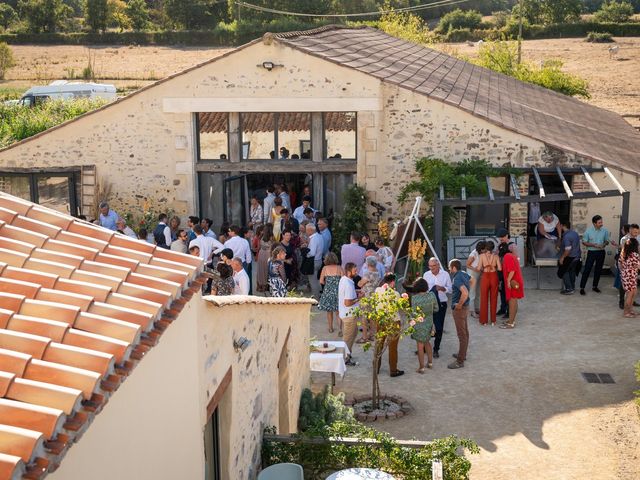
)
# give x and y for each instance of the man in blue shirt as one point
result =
(460, 286)
(569, 259)
(596, 238)
(323, 230)
(108, 217)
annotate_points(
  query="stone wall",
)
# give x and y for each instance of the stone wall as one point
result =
(262, 383)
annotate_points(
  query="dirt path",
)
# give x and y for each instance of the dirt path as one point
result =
(521, 395)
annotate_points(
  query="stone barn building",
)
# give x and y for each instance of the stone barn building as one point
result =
(349, 104)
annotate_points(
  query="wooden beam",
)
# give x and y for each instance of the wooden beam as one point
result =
(217, 396)
(292, 166)
(441, 192)
(615, 181)
(317, 150)
(590, 181)
(538, 181)
(463, 193)
(490, 189)
(565, 184)
(525, 199)
(514, 186)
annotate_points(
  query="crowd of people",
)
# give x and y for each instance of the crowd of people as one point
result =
(291, 248)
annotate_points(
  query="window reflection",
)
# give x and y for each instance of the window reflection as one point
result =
(294, 136)
(214, 128)
(340, 135)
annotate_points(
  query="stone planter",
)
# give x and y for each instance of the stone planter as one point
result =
(391, 407)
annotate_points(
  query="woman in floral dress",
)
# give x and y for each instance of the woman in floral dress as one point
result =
(427, 302)
(277, 275)
(223, 284)
(629, 264)
(329, 279)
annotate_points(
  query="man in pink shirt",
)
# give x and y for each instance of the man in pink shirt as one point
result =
(353, 252)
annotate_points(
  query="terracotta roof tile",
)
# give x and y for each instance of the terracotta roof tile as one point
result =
(11, 467)
(77, 305)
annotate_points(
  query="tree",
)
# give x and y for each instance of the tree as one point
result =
(138, 14)
(550, 11)
(196, 14)
(387, 311)
(97, 14)
(7, 15)
(6, 59)
(459, 19)
(44, 15)
(614, 12)
(117, 16)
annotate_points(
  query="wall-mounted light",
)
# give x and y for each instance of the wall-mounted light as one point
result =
(241, 344)
(269, 65)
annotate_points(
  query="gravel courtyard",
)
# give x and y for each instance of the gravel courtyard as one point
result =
(521, 395)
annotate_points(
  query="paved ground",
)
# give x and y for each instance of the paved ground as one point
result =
(521, 396)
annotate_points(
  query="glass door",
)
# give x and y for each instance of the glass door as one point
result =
(235, 200)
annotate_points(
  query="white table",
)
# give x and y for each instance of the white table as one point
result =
(331, 362)
(360, 474)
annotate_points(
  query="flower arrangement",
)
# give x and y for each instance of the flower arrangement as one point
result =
(417, 250)
(383, 229)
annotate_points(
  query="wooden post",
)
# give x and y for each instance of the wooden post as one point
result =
(437, 226)
(235, 140)
(624, 217)
(317, 140)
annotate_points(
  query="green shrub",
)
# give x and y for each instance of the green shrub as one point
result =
(353, 217)
(7, 15)
(18, 122)
(464, 35)
(406, 26)
(502, 57)
(459, 19)
(138, 14)
(614, 11)
(316, 412)
(6, 59)
(599, 37)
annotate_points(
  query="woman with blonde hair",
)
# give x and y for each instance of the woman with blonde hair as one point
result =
(330, 279)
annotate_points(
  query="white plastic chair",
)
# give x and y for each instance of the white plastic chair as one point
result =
(282, 471)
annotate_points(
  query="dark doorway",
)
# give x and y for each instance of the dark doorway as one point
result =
(486, 220)
(212, 447)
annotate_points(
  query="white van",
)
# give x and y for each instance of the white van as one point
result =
(65, 90)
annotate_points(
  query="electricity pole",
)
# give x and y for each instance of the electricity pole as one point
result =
(520, 15)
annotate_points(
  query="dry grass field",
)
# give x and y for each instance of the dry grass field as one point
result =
(614, 82)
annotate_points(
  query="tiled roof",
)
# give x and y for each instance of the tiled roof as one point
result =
(216, 122)
(557, 120)
(79, 307)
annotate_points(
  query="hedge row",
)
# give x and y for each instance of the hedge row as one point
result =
(225, 37)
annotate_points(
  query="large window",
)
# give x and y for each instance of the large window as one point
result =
(339, 135)
(283, 136)
(58, 191)
(213, 142)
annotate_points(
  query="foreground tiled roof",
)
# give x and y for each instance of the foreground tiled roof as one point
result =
(79, 307)
(555, 119)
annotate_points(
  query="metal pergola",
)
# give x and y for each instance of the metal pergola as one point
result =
(441, 201)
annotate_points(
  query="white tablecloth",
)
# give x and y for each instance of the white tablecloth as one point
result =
(360, 474)
(332, 362)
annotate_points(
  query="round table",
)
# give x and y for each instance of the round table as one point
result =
(360, 474)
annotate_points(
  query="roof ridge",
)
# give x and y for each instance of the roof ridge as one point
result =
(313, 31)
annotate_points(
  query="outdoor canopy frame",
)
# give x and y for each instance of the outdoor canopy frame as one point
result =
(441, 201)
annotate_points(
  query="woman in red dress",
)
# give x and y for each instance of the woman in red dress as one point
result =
(513, 284)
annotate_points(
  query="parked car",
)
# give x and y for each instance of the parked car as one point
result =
(65, 90)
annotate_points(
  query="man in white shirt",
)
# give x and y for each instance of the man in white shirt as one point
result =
(316, 247)
(347, 301)
(207, 245)
(268, 204)
(206, 228)
(240, 277)
(241, 249)
(439, 280)
(298, 213)
(122, 227)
